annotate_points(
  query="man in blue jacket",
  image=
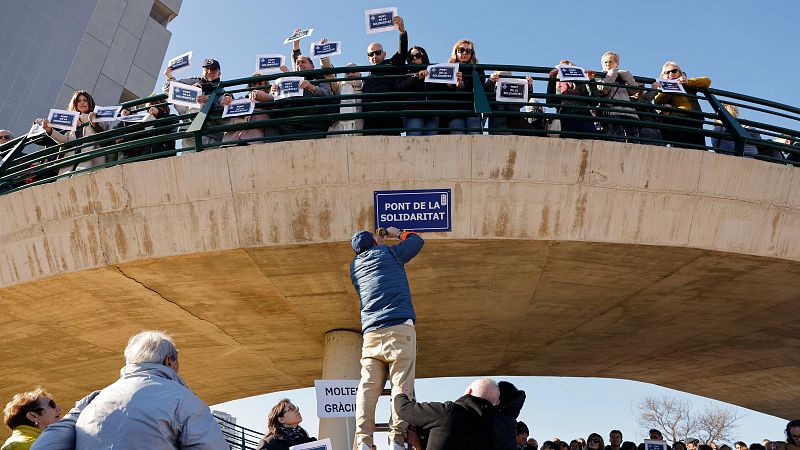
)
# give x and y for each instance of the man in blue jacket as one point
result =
(387, 321)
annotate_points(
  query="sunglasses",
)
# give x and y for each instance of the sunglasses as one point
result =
(673, 71)
(290, 408)
(375, 53)
(51, 403)
(593, 441)
(6, 137)
(415, 55)
(466, 50)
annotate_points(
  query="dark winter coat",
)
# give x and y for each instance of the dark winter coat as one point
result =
(465, 424)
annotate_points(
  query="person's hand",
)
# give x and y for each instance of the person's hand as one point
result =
(323, 41)
(153, 111)
(401, 27)
(305, 84)
(459, 81)
(530, 80)
(393, 232)
(494, 76)
(274, 88)
(554, 73)
(46, 125)
(168, 72)
(283, 69)
(590, 74)
(202, 99)
(422, 74)
(682, 79)
(125, 112)
(656, 85)
(296, 44)
(253, 95)
(226, 99)
(92, 116)
(413, 438)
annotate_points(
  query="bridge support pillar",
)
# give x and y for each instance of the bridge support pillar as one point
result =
(342, 361)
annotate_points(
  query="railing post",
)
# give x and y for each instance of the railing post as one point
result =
(199, 122)
(481, 103)
(243, 441)
(733, 126)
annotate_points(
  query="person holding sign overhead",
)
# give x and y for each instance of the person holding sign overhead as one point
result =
(379, 82)
(672, 71)
(387, 321)
(207, 82)
(464, 53)
(561, 92)
(83, 103)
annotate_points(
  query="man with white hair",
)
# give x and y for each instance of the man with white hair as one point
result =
(465, 424)
(150, 406)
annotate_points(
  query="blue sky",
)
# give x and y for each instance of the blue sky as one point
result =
(744, 46)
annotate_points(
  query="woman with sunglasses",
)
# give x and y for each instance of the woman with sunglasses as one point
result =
(26, 415)
(283, 428)
(464, 53)
(595, 442)
(416, 83)
(693, 138)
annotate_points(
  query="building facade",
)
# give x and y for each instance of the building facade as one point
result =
(110, 48)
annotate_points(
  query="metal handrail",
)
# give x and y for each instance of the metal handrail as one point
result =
(19, 169)
(240, 438)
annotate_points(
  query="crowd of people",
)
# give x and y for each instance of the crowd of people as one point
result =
(612, 103)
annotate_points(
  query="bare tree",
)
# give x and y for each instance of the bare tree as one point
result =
(676, 420)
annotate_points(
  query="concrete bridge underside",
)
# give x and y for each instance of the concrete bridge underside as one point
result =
(668, 266)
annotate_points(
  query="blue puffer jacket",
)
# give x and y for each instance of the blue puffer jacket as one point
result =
(381, 283)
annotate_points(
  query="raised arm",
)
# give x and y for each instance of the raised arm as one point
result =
(422, 415)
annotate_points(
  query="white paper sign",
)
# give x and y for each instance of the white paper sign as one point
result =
(652, 444)
(571, 73)
(184, 94)
(106, 113)
(322, 444)
(134, 118)
(296, 36)
(63, 120)
(380, 20)
(671, 86)
(442, 73)
(36, 129)
(181, 62)
(289, 87)
(319, 50)
(269, 62)
(241, 107)
(511, 90)
(336, 398)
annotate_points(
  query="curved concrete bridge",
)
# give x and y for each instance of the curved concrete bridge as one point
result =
(577, 258)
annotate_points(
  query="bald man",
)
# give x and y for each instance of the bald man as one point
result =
(465, 424)
(378, 82)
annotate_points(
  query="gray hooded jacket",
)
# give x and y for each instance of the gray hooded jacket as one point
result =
(149, 407)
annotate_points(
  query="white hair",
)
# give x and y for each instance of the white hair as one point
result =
(485, 388)
(150, 346)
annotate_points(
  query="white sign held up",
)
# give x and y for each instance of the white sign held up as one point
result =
(380, 20)
(336, 398)
(322, 444)
(671, 86)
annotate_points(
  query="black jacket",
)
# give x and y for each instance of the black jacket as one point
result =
(277, 442)
(378, 81)
(466, 424)
(505, 423)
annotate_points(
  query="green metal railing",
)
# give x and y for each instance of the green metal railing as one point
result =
(768, 126)
(239, 437)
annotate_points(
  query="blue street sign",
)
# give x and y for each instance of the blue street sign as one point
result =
(418, 210)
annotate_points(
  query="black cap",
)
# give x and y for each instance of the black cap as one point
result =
(692, 440)
(213, 63)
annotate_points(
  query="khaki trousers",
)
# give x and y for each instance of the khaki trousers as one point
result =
(388, 351)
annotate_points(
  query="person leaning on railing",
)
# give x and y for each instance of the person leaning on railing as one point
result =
(419, 101)
(259, 93)
(464, 53)
(559, 93)
(499, 124)
(672, 71)
(207, 82)
(616, 87)
(323, 89)
(728, 146)
(156, 110)
(82, 102)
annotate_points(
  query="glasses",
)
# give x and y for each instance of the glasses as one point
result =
(593, 441)
(415, 55)
(375, 53)
(5, 137)
(466, 50)
(290, 408)
(51, 403)
(672, 72)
